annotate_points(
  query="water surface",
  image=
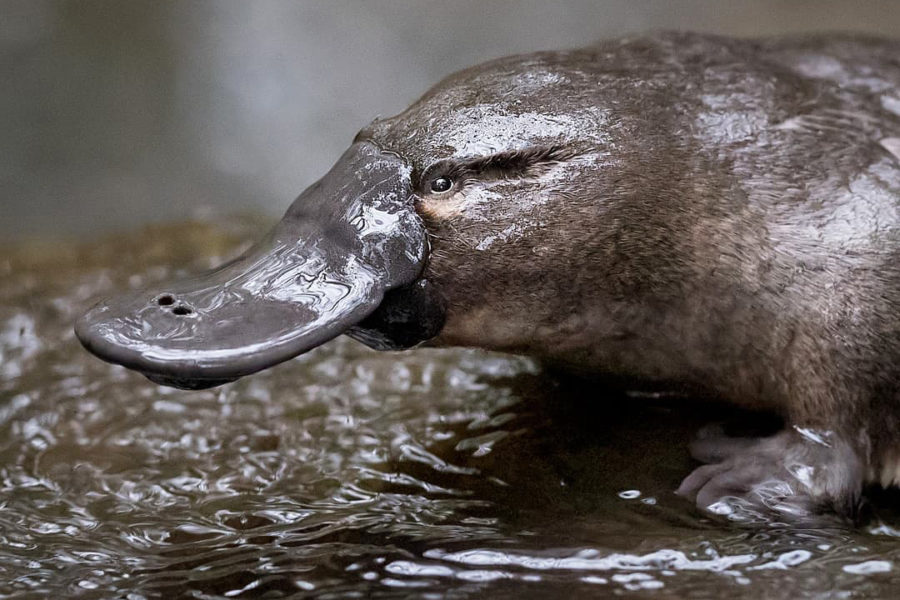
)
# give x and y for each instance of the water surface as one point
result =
(350, 473)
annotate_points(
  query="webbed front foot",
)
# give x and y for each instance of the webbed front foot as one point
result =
(796, 475)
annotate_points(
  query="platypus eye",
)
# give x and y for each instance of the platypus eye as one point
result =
(439, 185)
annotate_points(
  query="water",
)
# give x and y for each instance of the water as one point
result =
(351, 473)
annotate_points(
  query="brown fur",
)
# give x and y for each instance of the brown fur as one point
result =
(727, 217)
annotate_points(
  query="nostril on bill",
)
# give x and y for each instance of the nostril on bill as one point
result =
(168, 300)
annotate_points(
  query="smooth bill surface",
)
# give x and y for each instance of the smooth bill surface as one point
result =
(345, 242)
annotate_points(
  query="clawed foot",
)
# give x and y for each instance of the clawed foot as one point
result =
(791, 476)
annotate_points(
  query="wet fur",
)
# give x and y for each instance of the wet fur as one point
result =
(729, 219)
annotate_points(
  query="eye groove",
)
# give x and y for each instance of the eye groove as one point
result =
(449, 174)
(440, 185)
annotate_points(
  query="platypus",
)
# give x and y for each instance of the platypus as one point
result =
(673, 208)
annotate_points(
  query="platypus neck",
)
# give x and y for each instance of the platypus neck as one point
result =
(715, 349)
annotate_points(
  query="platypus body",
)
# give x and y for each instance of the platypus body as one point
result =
(673, 208)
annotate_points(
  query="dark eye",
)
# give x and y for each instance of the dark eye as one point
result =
(440, 185)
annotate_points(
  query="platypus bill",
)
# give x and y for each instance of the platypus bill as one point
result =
(677, 208)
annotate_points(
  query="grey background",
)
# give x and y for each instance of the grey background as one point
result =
(114, 114)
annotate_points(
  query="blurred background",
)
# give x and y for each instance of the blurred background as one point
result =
(115, 114)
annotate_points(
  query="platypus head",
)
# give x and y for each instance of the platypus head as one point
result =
(462, 219)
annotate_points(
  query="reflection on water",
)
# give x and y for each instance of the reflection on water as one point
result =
(348, 472)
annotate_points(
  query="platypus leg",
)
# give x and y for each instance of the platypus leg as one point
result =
(794, 475)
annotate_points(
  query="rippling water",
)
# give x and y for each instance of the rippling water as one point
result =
(350, 473)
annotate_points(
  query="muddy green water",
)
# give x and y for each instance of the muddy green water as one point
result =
(350, 473)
